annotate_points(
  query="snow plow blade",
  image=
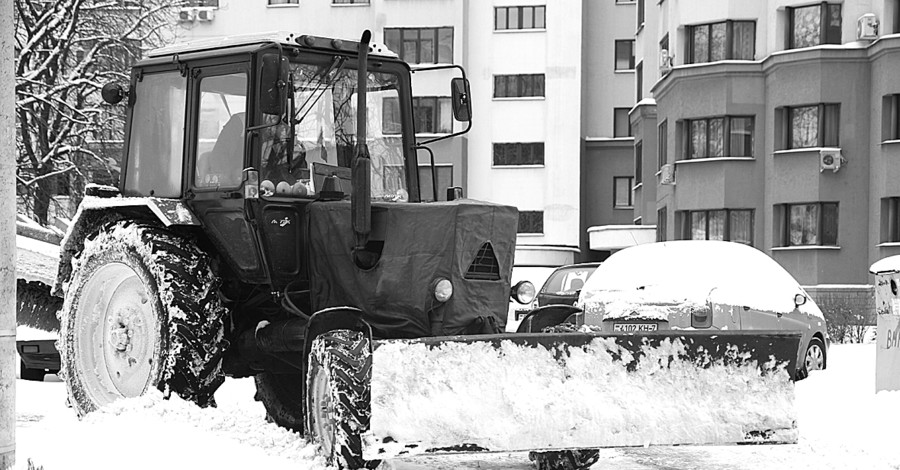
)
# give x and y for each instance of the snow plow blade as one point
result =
(557, 391)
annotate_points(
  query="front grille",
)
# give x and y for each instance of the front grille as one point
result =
(485, 266)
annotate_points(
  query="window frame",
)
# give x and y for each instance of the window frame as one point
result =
(822, 116)
(662, 144)
(631, 59)
(520, 15)
(538, 84)
(424, 170)
(890, 117)
(687, 224)
(826, 32)
(662, 216)
(616, 118)
(538, 222)
(726, 137)
(535, 150)
(820, 223)
(638, 163)
(890, 219)
(436, 52)
(629, 186)
(349, 2)
(691, 53)
(283, 3)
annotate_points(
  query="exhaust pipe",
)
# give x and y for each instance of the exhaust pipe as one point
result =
(360, 202)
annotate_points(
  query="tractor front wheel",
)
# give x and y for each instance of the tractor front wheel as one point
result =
(338, 407)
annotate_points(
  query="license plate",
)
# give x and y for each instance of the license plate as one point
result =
(633, 327)
(520, 314)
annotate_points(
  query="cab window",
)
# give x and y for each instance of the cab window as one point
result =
(221, 130)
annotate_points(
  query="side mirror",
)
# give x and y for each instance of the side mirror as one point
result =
(113, 93)
(272, 83)
(462, 105)
(799, 299)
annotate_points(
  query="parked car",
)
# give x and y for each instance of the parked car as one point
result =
(38, 358)
(565, 283)
(703, 285)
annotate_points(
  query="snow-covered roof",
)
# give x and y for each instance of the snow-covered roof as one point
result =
(285, 38)
(891, 264)
(677, 273)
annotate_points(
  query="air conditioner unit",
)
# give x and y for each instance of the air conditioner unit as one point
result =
(187, 15)
(830, 159)
(206, 14)
(665, 61)
(867, 27)
(667, 174)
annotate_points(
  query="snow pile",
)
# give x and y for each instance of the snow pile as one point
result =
(151, 433)
(515, 397)
(27, 333)
(36, 261)
(651, 281)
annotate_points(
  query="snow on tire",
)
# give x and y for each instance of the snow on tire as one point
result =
(565, 460)
(141, 311)
(339, 394)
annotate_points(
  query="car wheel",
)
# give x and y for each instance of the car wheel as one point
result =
(30, 374)
(814, 359)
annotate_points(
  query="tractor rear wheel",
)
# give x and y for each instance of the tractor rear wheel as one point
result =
(282, 395)
(339, 408)
(141, 311)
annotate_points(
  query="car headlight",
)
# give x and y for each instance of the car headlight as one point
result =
(443, 289)
(523, 292)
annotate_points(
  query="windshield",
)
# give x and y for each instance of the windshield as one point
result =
(568, 280)
(324, 134)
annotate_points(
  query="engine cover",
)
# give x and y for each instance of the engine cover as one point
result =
(471, 243)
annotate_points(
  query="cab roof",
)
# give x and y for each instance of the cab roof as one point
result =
(245, 42)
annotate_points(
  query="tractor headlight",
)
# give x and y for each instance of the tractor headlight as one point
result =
(443, 289)
(523, 292)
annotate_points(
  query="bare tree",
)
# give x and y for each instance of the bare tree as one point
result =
(66, 50)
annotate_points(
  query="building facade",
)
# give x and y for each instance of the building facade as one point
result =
(775, 125)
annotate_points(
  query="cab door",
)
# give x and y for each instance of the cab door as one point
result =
(218, 152)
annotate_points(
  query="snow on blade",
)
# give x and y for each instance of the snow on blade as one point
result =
(457, 396)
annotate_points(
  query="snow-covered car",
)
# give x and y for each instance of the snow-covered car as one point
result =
(703, 285)
(37, 353)
(565, 283)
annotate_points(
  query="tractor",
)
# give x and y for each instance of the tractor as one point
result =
(269, 222)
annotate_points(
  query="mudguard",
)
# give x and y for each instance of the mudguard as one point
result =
(94, 212)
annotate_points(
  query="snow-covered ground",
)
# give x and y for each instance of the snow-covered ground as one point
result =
(843, 425)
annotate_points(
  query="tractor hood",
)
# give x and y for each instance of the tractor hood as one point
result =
(470, 243)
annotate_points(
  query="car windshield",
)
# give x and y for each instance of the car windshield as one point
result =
(568, 280)
(324, 133)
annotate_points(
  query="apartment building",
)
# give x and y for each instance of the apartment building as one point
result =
(552, 84)
(774, 124)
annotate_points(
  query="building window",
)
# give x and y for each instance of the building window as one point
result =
(284, 2)
(890, 220)
(514, 154)
(432, 115)
(531, 17)
(531, 222)
(815, 125)
(890, 115)
(661, 216)
(350, 2)
(735, 225)
(640, 14)
(421, 45)
(519, 86)
(813, 25)
(638, 161)
(622, 192)
(202, 3)
(707, 137)
(639, 72)
(662, 142)
(621, 123)
(625, 1)
(813, 224)
(727, 40)
(625, 54)
(444, 175)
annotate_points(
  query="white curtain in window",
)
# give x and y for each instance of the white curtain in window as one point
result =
(804, 127)
(807, 26)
